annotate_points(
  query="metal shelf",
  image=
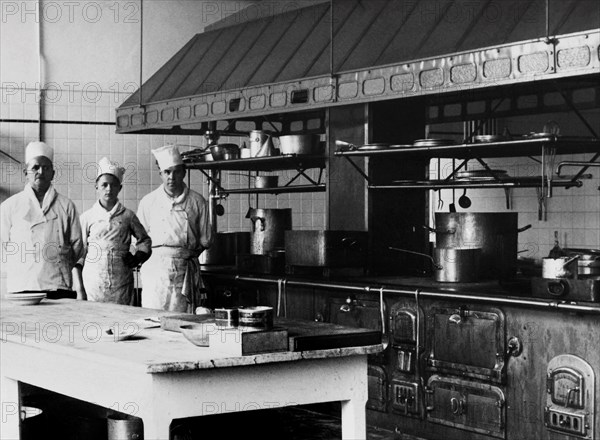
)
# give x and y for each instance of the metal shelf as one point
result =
(278, 190)
(270, 163)
(513, 148)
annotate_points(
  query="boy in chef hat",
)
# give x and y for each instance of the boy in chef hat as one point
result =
(35, 222)
(106, 273)
(177, 219)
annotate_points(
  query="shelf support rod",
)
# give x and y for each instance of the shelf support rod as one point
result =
(361, 172)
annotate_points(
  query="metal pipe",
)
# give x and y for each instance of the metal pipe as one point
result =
(507, 301)
(141, 50)
(577, 163)
(514, 184)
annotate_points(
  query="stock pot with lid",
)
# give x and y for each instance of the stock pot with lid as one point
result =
(495, 233)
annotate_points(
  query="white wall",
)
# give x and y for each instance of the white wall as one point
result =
(91, 64)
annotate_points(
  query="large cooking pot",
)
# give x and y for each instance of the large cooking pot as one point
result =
(495, 233)
(225, 247)
(453, 265)
(268, 229)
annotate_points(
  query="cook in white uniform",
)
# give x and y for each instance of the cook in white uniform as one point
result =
(178, 222)
(107, 229)
(39, 231)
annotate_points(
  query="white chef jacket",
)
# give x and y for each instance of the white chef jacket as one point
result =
(180, 230)
(107, 239)
(40, 245)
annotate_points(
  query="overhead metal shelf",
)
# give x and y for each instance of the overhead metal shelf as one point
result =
(277, 190)
(514, 148)
(270, 163)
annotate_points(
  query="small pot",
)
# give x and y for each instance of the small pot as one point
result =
(266, 181)
(561, 267)
(225, 151)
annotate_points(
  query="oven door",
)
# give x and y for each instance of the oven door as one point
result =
(467, 343)
(467, 405)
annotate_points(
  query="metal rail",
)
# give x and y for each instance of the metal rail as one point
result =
(513, 183)
(567, 306)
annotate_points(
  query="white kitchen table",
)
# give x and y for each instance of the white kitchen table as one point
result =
(159, 375)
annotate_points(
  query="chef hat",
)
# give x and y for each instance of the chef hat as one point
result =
(36, 149)
(167, 157)
(105, 166)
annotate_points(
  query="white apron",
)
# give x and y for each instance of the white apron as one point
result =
(107, 278)
(171, 280)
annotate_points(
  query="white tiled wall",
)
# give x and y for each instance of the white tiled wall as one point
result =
(79, 146)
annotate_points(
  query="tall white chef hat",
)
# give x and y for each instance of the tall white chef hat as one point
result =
(36, 149)
(106, 166)
(167, 157)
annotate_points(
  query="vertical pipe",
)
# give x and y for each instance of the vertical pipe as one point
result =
(212, 198)
(40, 73)
(141, 49)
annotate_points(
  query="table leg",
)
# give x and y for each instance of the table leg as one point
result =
(354, 420)
(9, 398)
(156, 427)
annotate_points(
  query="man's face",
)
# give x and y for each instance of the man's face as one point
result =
(173, 179)
(40, 173)
(107, 188)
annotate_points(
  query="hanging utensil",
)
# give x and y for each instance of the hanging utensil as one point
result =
(556, 251)
(452, 206)
(464, 201)
(385, 337)
(440, 204)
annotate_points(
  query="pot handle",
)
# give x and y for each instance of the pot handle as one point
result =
(261, 220)
(436, 265)
(570, 260)
(440, 231)
(524, 228)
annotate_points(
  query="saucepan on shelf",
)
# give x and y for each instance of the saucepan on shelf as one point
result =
(266, 181)
(301, 144)
(225, 151)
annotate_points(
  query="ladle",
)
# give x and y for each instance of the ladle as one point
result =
(464, 201)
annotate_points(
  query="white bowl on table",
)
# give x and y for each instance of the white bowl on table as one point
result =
(26, 298)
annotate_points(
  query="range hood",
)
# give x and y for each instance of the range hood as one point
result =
(382, 49)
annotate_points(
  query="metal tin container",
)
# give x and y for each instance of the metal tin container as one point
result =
(256, 317)
(126, 428)
(228, 318)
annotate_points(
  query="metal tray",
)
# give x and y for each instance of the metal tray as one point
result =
(376, 146)
(480, 174)
(433, 142)
(490, 138)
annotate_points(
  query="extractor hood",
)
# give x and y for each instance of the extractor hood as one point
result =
(382, 49)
